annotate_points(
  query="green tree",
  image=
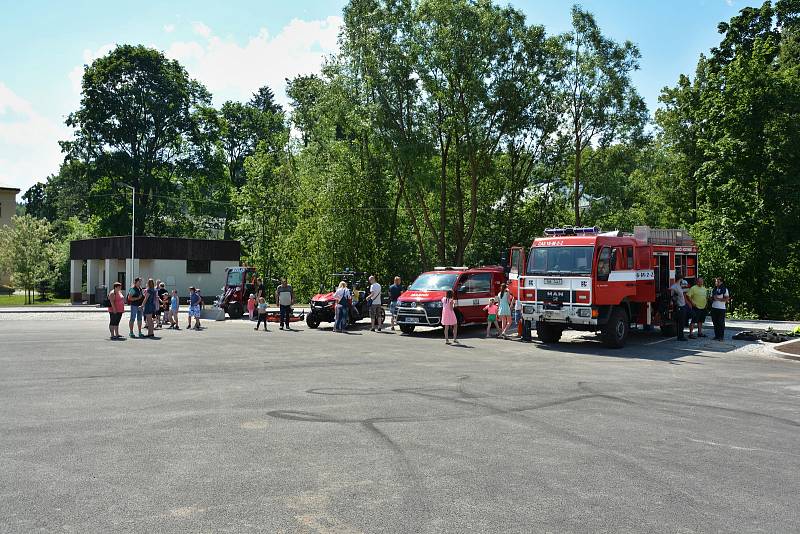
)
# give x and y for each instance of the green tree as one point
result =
(602, 105)
(28, 253)
(136, 118)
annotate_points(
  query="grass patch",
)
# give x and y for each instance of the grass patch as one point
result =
(19, 300)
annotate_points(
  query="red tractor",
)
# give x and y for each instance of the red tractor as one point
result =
(239, 283)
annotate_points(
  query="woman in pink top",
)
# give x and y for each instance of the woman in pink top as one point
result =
(449, 319)
(115, 309)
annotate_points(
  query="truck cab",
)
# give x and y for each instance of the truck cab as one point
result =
(421, 303)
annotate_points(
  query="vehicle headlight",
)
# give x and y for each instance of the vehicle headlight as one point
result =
(584, 312)
(528, 309)
(435, 304)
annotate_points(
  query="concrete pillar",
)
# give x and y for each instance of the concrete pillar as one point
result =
(92, 278)
(132, 270)
(75, 279)
(110, 277)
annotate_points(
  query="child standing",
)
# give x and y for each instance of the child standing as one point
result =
(174, 305)
(194, 309)
(251, 306)
(449, 319)
(491, 310)
(262, 313)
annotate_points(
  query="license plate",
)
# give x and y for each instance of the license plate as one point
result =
(412, 320)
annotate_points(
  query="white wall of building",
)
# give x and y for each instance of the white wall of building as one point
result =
(171, 272)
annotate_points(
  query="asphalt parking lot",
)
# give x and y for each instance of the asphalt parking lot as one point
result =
(229, 430)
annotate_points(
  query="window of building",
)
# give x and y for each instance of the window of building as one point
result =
(198, 266)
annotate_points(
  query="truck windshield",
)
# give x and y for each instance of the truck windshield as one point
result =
(563, 261)
(434, 282)
(235, 278)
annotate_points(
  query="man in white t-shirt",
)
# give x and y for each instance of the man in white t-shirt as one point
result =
(374, 299)
(719, 300)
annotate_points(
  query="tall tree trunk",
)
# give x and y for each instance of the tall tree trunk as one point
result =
(440, 242)
(577, 193)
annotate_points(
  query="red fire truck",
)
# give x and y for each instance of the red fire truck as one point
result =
(586, 279)
(421, 304)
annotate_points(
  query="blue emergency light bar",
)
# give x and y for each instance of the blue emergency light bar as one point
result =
(569, 230)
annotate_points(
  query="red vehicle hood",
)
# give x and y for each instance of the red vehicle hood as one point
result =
(422, 296)
(323, 297)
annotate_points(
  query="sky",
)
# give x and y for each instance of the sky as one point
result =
(237, 46)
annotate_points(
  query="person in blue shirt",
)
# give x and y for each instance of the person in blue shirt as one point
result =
(194, 308)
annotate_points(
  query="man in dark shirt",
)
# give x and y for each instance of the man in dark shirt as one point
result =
(395, 290)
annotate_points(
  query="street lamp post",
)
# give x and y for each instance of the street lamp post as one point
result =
(133, 227)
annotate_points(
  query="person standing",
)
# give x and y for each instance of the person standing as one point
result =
(174, 306)
(262, 314)
(116, 306)
(449, 318)
(135, 299)
(491, 316)
(504, 310)
(151, 306)
(284, 296)
(679, 302)
(163, 304)
(395, 290)
(251, 306)
(698, 296)
(194, 309)
(342, 298)
(719, 300)
(375, 305)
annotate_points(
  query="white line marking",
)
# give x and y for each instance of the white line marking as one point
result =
(660, 341)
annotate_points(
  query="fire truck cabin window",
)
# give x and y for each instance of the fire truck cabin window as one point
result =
(628, 258)
(565, 261)
(604, 264)
(516, 258)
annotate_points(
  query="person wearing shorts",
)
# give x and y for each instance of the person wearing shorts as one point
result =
(135, 299)
(116, 306)
(194, 308)
(491, 317)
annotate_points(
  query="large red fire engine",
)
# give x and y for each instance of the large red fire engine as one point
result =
(585, 279)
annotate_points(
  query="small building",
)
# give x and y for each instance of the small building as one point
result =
(8, 208)
(179, 263)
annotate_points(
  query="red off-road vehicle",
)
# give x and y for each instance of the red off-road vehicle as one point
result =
(323, 305)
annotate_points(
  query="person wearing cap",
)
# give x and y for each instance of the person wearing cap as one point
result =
(135, 298)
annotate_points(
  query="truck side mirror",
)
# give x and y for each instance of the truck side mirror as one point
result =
(613, 260)
(504, 260)
(462, 288)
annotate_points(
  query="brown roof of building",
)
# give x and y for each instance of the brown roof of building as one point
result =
(155, 248)
(3, 188)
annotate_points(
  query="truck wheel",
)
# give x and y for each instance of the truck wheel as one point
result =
(235, 310)
(407, 328)
(615, 332)
(548, 333)
(312, 320)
